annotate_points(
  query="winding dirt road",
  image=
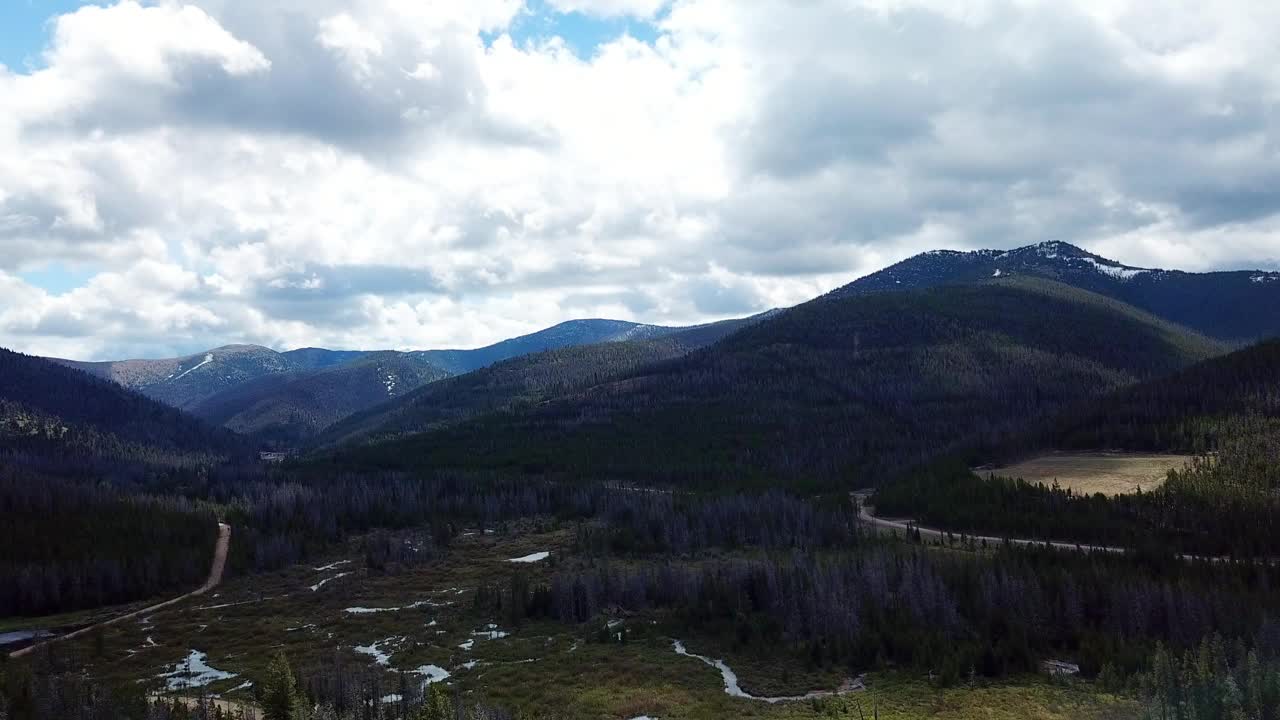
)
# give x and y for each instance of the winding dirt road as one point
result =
(866, 514)
(215, 577)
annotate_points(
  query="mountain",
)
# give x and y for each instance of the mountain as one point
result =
(566, 334)
(190, 381)
(1206, 302)
(292, 407)
(186, 381)
(525, 381)
(843, 390)
(63, 414)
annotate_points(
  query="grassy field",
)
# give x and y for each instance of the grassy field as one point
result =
(428, 617)
(1089, 473)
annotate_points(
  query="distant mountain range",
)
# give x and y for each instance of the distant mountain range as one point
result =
(285, 409)
(1211, 303)
(286, 397)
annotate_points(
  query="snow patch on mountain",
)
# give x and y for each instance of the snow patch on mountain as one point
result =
(1120, 272)
(208, 358)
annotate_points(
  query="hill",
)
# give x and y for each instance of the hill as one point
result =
(1207, 302)
(840, 390)
(287, 409)
(524, 382)
(61, 414)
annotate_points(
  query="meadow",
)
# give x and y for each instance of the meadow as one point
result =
(1089, 473)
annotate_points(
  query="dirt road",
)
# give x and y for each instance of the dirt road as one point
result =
(866, 514)
(215, 577)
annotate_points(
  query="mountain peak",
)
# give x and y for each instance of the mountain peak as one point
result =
(239, 348)
(1053, 249)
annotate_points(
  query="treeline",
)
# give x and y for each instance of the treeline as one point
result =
(124, 544)
(1224, 504)
(303, 514)
(67, 546)
(1217, 681)
(638, 522)
(950, 614)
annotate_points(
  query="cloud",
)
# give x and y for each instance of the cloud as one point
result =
(383, 173)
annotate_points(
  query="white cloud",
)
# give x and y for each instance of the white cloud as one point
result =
(392, 173)
(342, 34)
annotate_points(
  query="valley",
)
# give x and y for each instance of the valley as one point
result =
(946, 500)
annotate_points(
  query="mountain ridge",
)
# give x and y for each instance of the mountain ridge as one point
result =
(1206, 302)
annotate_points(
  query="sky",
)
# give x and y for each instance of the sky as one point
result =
(365, 174)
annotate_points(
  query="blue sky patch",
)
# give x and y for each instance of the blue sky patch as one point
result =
(24, 31)
(582, 33)
(57, 279)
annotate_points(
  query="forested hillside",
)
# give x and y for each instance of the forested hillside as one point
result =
(94, 483)
(1184, 412)
(523, 382)
(840, 391)
(65, 415)
(69, 545)
(1210, 303)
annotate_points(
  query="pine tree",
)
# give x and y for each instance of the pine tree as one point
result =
(280, 696)
(436, 705)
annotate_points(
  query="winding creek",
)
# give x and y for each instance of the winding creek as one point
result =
(734, 689)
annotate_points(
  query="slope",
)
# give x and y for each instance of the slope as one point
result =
(1207, 302)
(567, 334)
(1184, 412)
(835, 391)
(523, 382)
(60, 414)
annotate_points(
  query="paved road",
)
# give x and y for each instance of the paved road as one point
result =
(215, 577)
